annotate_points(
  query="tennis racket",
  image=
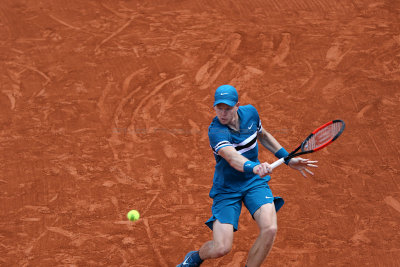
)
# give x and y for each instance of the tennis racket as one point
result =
(318, 139)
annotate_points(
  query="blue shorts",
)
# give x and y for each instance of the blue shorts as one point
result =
(226, 207)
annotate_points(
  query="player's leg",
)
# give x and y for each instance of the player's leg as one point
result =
(224, 221)
(266, 220)
(263, 206)
(221, 243)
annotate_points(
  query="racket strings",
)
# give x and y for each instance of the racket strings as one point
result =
(323, 136)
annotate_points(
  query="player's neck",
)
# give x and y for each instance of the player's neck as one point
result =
(235, 123)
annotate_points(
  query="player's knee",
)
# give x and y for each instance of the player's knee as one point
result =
(269, 231)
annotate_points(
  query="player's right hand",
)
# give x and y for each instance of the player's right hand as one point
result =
(262, 169)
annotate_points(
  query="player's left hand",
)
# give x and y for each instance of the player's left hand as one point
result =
(301, 165)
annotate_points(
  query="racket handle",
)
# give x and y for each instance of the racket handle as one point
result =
(277, 163)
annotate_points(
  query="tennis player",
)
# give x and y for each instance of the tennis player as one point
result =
(239, 177)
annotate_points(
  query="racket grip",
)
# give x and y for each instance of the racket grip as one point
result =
(277, 163)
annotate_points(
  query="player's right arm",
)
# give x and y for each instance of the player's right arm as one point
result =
(237, 161)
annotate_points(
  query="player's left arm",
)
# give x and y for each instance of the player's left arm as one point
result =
(270, 143)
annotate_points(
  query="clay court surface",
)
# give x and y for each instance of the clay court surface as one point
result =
(105, 105)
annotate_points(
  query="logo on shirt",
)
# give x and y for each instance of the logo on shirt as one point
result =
(250, 126)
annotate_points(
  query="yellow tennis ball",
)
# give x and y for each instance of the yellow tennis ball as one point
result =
(133, 215)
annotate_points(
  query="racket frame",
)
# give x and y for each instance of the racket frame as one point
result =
(294, 154)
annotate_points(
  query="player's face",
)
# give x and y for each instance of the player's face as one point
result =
(226, 113)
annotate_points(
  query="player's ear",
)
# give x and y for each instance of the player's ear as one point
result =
(237, 104)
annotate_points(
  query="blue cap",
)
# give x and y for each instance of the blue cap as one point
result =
(226, 94)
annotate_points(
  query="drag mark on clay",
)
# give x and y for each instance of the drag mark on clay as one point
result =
(373, 141)
(239, 259)
(145, 100)
(64, 23)
(392, 202)
(309, 67)
(335, 55)
(127, 80)
(114, 140)
(153, 243)
(360, 237)
(150, 204)
(33, 243)
(114, 34)
(218, 62)
(104, 93)
(48, 80)
(118, 14)
(283, 50)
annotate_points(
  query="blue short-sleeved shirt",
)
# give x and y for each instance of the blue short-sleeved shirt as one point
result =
(226, 178)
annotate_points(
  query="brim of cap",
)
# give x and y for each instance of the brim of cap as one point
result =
(225, 101)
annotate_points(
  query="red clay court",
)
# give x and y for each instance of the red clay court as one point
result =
(105, 105)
